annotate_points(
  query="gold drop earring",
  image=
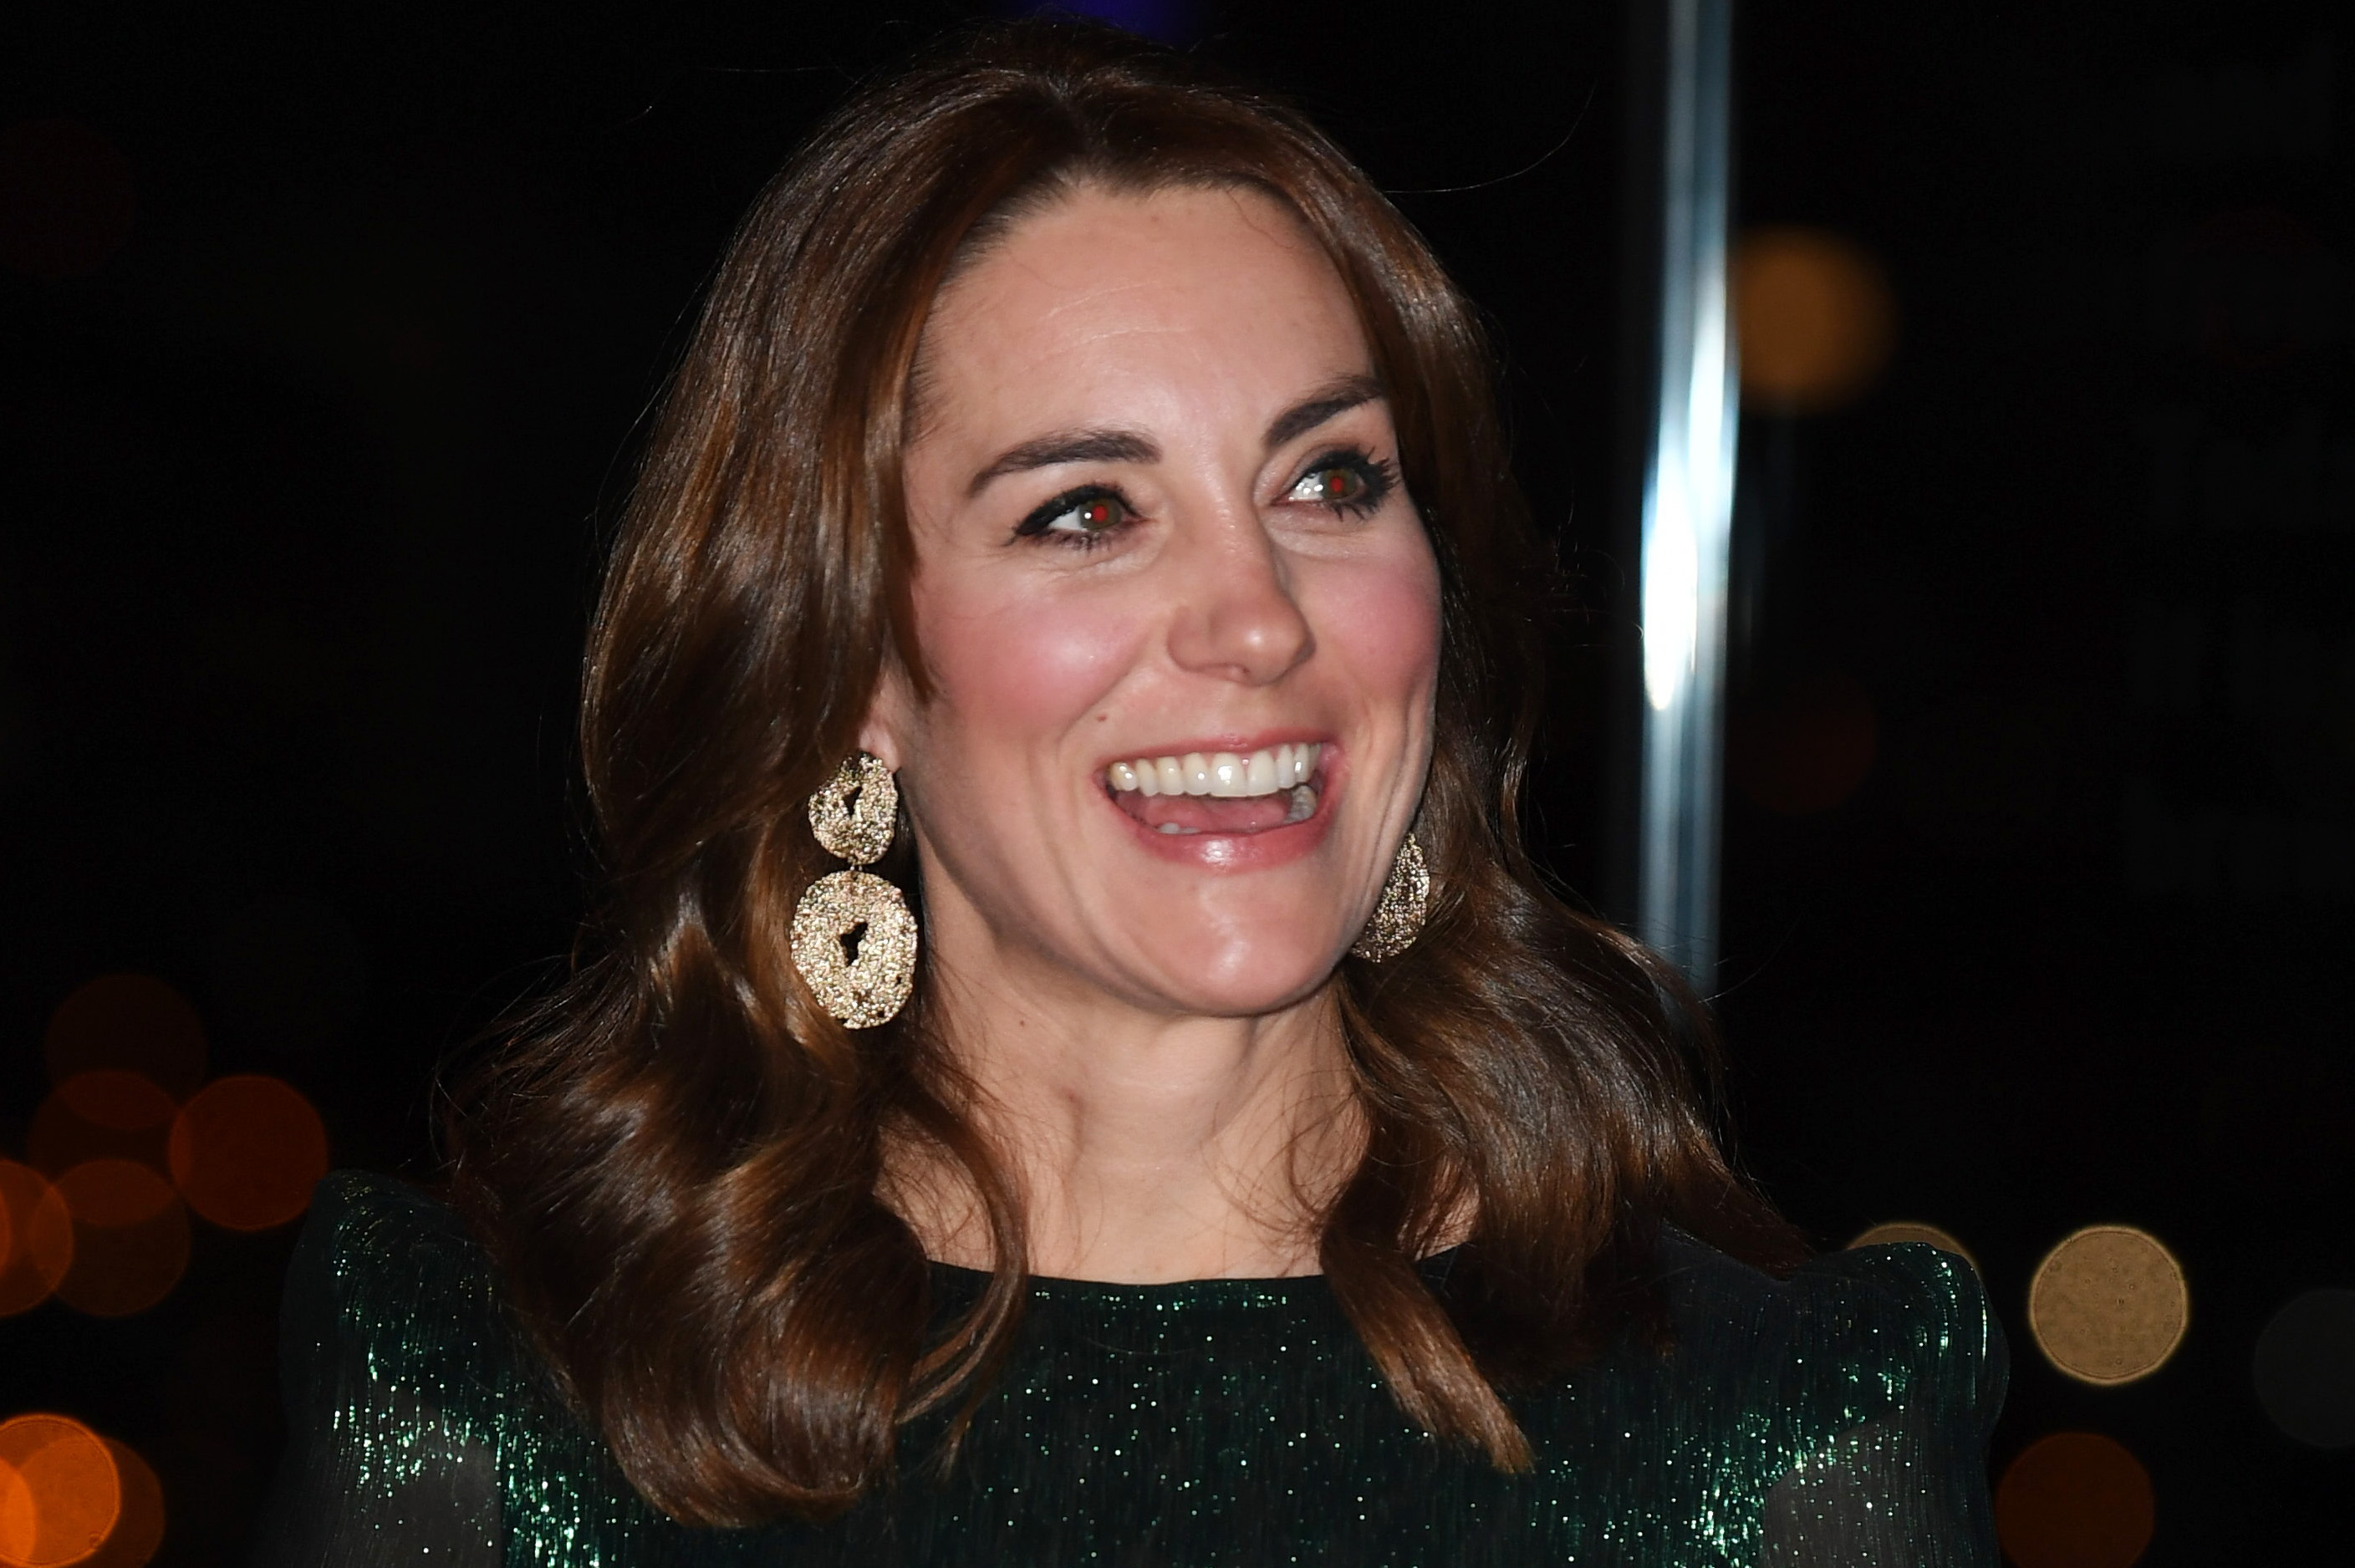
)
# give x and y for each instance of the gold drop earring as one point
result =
(1406, 899)
(854, 815)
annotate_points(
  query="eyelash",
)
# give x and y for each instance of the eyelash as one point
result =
(1377, 475)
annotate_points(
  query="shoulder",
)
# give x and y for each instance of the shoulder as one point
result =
(386, 1284)
(1900, 1324)
(372, 1239)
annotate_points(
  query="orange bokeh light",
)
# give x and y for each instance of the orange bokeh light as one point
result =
(246, 1151)
(132, 1022)
(1813, 315)
(2076, 1500)
(107, 1113)
(38, 1243)
(1896, 1230)
(63, 1494)
(139, 1524)
(131, 1238)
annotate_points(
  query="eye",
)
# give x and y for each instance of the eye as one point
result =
(1345, 481)
(1081, 517)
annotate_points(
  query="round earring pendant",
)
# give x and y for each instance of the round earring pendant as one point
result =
(854, 814)
(870, 989)
(1397, 918)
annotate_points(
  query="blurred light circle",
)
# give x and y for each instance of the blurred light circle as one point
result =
(121, 1101)
(1808, 748)
(2074, 1499)
(17, 1521)
(67, 198)
(132, 1022)
(105, 1114)
(2109, 1305)
(131, 1238)
(247, 1150)
(1900, 1231)
(68, 1495)
(139, 1524)
(1813, 316)
(2304, 1369)
(40, 1238)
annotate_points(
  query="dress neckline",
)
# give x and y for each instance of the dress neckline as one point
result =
(1175, 1295)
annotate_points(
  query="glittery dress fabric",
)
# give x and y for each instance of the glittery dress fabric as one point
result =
(1838, 1418)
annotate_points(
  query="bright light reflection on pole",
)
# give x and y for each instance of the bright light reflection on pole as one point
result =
(1688, 502)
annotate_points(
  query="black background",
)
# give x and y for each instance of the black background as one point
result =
(302, 489)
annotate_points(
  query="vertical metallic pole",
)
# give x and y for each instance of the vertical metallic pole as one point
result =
(1688, 501)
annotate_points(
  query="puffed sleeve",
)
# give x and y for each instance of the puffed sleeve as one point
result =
(386, 1349)
(1907, 1329)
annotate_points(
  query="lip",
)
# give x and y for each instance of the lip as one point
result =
(1237, 852)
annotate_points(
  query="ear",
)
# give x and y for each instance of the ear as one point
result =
(890, 723)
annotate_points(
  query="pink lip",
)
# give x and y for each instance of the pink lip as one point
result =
(1240, 851)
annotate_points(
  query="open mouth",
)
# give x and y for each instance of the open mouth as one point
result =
(1222, 791)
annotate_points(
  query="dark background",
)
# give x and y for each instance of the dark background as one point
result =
(326, 335)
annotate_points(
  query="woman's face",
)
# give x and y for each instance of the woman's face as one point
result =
(1180, 614)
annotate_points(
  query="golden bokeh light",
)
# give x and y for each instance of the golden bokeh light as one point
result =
(138, 1530)
(1897, 1231)
(247, 1150)
(131, 1238)
(107, 1113)
(37, 1248)
(64, 1495)
(2076, 1500)
(1813, 315)
(2109, 1305)
(134, 1023)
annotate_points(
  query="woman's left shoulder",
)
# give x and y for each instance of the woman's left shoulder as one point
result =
(1908, 1320)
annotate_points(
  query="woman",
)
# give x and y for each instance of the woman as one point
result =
(1081, 516)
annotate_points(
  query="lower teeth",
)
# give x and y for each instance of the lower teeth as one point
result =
(1303, 806)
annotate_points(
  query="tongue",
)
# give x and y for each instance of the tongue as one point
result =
(1208, 813)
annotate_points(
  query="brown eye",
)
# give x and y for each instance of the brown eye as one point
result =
(1336, 486)
(1078, 518)
(1344, 482)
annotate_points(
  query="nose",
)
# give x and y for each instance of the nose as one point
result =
(1237, 619)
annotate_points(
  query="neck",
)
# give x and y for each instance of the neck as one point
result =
(1144, 1146)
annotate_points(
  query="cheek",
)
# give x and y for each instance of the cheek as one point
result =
(1018, 669)
(1383, 620)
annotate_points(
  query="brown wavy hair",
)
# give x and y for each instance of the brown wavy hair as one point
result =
(676, 1157)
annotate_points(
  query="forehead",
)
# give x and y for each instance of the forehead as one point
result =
(1108, 294)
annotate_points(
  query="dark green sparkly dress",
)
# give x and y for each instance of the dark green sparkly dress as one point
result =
(1837, 1418)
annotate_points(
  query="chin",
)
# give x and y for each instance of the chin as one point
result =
(1239, 976)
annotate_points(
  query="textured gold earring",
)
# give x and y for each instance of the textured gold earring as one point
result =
(854, 816)
(1397, 918)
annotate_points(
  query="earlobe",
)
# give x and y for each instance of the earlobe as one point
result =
(886, 713)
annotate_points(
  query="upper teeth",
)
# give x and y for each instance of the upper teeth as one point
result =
(1263, 772)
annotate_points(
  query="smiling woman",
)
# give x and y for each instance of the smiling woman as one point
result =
(1082, 503)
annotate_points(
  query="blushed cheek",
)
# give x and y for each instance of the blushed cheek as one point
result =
(1384, 620)
(1019, 674)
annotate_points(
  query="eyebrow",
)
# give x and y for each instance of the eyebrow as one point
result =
(1067, 446)
(1336, 397)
